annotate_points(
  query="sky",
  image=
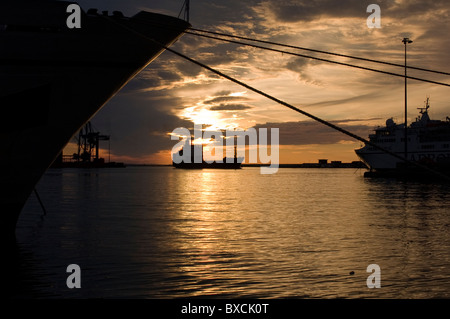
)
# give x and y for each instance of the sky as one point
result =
(172, 92)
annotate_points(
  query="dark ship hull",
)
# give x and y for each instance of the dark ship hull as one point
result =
(205, 165)
(54, 79)
(194, 159)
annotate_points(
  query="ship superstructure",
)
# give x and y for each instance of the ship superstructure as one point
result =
(428, 143)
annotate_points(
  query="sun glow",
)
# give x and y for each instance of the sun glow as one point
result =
(200, 115)
(223, 111)
(238, 93)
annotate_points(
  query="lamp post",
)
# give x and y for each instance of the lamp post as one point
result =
(406, 41)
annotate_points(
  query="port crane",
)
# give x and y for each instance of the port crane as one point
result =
(88, 144)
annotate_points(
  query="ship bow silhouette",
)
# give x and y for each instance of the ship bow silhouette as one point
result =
(54, 79)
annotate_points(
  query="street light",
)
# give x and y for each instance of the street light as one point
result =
(406, 41)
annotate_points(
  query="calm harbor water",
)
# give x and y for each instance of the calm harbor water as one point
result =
(159, 232)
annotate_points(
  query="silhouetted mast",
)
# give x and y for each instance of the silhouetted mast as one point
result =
(186, 7)
(186, 12)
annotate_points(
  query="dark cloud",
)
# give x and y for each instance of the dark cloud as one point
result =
(299, 64)
(414, 8)
(310, 132)
(188, 69)
(221, 54)
(223, 93)
(220, 13)
(308, 10)
(131, 7)
(295, 11)
(168, 75)
(138, 124)
(227, 98)
(224, 101)
(230, 107)
(359, 98)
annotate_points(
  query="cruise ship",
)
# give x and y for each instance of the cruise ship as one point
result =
(54, 78)
(428, 145)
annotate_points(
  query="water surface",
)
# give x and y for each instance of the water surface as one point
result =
(159, 232)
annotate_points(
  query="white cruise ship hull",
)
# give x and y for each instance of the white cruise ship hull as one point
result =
(377, 160)
(54, 79)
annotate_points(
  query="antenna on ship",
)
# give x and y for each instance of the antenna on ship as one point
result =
(185, 7)
(406, 41)
(426, 107)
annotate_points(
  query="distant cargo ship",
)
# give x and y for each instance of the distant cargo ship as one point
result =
(53, 79)
(428, 144)
(196, 160)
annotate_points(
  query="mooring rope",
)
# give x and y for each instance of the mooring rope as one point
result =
(329, 61)
(312, 50)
